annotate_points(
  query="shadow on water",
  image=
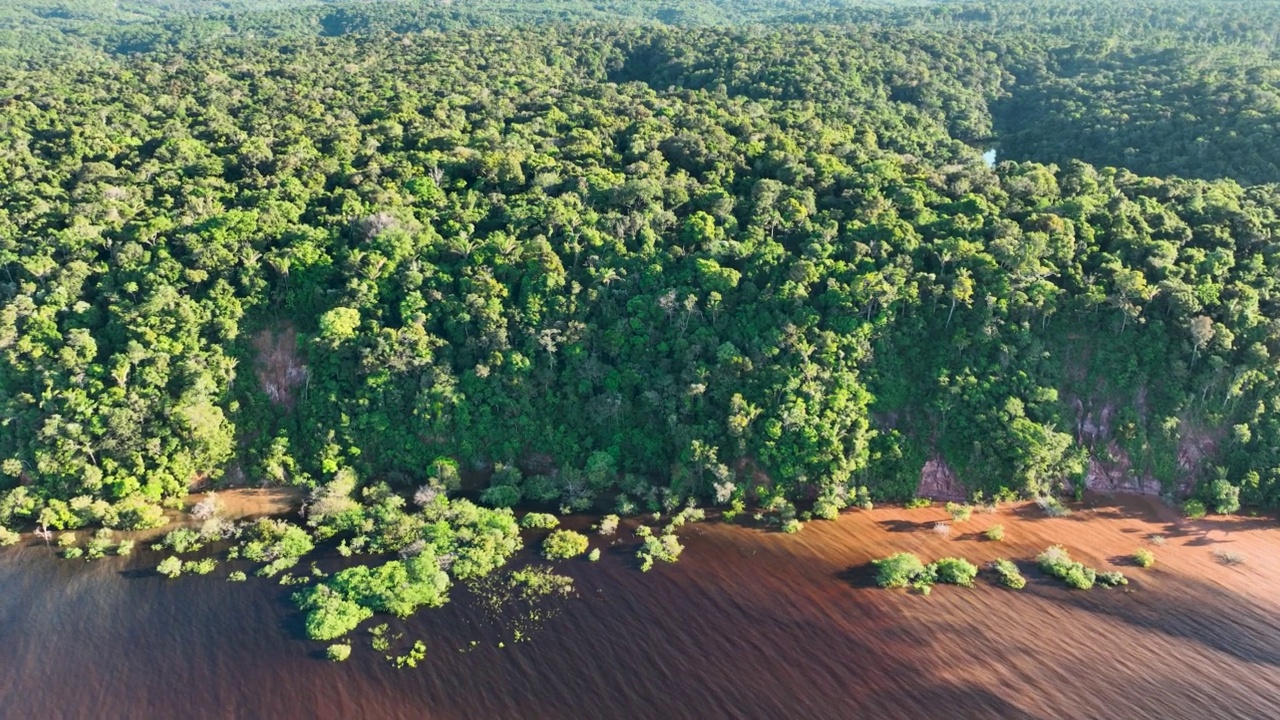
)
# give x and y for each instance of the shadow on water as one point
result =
(859, 576)
(1188, 609)
(907, 526)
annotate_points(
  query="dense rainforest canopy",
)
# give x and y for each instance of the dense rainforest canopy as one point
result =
(629, 255)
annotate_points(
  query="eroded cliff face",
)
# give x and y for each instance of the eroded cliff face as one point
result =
(939, 481)
(1110, 468)
(278, 365)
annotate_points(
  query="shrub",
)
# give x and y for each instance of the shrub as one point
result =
(540, 521)
(66, 540)
(1052, 506)
(98, 545)
(8, 537)
(200, 567)
(1004, 495)
(170, 567)
(608, 525)
(135, 513)
(897, 570)
(958, 512)
(506, 474)
(1144, 558)
(1228, 557)
(955, 571)
(503, 496)
(207, 508)
(1079, 577)
(666, 548)
(1194, 509)
(181, 540)
(237, 576)
(72, 553)
(398, 587)
(594, 555)
(941, 529)
(625, 506)
(564, 544)
(1224, 496)
(124, 548)
(792, 526)
(541, 489)
(923, 581)
(691, 514)
(863, 498)
(338, 652)
(330, 614)
(1112, 579)
(1157, 539)
(415, 655)
(533, 583)
(915, 503)
(995, 533)
(1008, 574)
(1056, 562)
(445, 470)
(275, 540)
(826, 509)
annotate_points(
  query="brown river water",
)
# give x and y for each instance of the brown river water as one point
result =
(749, 624)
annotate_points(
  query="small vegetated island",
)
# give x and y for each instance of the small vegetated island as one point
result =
(457, 271)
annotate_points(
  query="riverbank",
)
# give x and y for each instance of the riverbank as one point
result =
(748, 624)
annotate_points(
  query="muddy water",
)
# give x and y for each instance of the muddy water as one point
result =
(748, 624)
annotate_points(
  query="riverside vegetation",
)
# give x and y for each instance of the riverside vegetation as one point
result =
(433, 264)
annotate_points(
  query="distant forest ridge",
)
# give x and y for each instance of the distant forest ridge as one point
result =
(1243, 22)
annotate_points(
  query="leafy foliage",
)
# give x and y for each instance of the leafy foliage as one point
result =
(170, 567)
(1056, 562)
(694, 253)
(564, 544)
(1008, 574)
(898, 570)
(955, 571)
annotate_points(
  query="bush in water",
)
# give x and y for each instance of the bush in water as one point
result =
(955, 571)
(339, 652)
(564, 544)
(539, 521)
(170, 567)
(1056, 562)
(1008, 574)
(1112, 579)
(897, 570)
